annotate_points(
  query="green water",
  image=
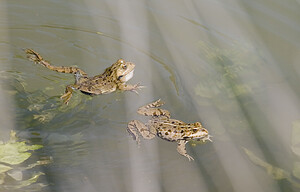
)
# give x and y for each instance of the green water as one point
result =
(233, 65)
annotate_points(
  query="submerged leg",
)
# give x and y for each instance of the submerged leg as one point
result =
(182, 150)
(37, 58)
(135, 127)
(150, 110)
(68, 93)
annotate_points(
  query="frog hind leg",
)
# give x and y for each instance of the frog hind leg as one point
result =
(182, 150)
(135, 127)
(68, 93)
(150, 110)
(37, 58)
(154, 104)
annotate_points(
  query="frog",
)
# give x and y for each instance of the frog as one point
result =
(163, 126)
(112, 79)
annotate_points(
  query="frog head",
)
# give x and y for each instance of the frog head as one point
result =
(199, 133)
(124, 70)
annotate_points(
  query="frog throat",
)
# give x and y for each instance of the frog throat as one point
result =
(127, 77)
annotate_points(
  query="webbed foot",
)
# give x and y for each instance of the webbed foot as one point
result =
(33, 56)
(68, 94)
(137, 87)
(132, 130)
(66, 98)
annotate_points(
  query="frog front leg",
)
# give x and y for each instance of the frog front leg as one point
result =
(136, 127)
(126, 87)
(68, 93)
(182, 150)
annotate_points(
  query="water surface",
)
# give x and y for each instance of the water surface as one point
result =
(233, 65)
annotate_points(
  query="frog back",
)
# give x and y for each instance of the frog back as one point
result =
(172, 130)
(98, 85)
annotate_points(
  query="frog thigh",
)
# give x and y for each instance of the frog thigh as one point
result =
(134, 127)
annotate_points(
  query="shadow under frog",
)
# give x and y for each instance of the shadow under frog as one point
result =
(113, 78)
(166, 128)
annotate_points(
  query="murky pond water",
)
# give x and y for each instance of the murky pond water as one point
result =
(233, 65)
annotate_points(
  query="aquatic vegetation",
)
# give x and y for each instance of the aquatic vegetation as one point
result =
(228, 79)
(232, 72)
(278, 173)
(274, 172)
(295, 140)
(39, 104)
(12, 154)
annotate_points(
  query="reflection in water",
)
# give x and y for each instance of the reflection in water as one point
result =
(232, 65)
(275, 172)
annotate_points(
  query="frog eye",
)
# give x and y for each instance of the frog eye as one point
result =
(195, 130)
(124, 67)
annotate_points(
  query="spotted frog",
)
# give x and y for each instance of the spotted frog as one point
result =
(114, 77)
(166, 128)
